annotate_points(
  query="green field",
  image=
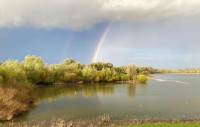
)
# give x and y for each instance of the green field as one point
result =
(166, 125)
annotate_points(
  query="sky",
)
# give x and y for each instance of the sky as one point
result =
(158, 33)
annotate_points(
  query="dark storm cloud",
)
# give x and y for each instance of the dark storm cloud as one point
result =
(80, 14)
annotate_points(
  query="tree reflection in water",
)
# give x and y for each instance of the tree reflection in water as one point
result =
(51, 93)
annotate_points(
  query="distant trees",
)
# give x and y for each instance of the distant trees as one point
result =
(150, 70)
(33, 70)
(189, 70)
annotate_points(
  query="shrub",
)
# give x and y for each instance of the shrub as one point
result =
(142, 78)
(14, 99)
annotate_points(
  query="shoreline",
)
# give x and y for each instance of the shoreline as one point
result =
(104, 121)
(18, 101)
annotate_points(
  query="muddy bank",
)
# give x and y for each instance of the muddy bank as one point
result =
(14, 100)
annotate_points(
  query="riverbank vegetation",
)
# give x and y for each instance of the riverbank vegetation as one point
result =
(14, 99)
(17, 78)
(101, 122)
(166, 125)
(33, 70)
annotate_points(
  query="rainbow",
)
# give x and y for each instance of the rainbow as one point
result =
(100, 42)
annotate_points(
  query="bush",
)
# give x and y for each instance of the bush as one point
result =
(19, 100)
(141, 78)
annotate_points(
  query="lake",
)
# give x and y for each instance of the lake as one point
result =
(164, 96)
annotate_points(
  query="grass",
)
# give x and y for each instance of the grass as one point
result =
(102, 121)
(14, 100)
(166, 125)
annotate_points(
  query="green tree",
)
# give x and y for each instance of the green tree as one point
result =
(12, 72)
(35, 69)
(100, 65)
(68, 61)
(72, 70)
(131, 71)
(55, 73)
(88, 73)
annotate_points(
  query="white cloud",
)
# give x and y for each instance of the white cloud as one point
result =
(79, 14)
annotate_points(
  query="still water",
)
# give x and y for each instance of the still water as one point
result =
(164, 96)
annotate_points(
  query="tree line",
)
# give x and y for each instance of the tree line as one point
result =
(186, 70)
(33, 70)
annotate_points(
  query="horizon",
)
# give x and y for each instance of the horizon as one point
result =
(160, 34)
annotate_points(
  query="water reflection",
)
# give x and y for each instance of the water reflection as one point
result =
(52, 93)
(91, 90)
(77, 100)
(156, 99)
(131, 91)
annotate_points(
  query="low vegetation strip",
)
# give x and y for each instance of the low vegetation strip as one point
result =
(166, 125)
(104, 121)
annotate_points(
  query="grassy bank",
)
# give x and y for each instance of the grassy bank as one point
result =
(166, 125)
(104, 121)
(14, 100)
